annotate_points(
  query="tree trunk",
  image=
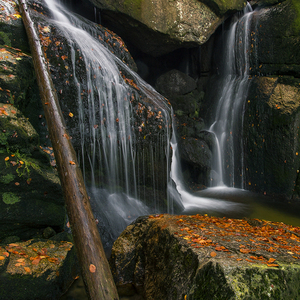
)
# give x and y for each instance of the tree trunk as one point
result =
(94, 265)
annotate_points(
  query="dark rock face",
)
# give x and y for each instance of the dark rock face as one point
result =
(276, 41)
(175, 82)
(196, 157)
(202, 257)
(271, 134)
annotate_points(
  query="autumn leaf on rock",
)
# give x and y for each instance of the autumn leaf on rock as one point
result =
(213, 254)
(46, 29)
(245, 251)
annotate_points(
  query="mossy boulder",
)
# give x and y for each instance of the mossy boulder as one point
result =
(36, 269)
(159, 27)
(12, 30)
(31, 196)
(203, 257)
(271, 136)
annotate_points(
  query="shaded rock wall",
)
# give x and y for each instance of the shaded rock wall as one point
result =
(271, 136)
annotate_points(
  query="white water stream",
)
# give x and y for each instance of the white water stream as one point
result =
(227, 168)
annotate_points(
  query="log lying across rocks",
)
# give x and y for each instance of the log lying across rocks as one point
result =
(94, 266)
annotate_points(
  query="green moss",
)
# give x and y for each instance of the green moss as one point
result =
(296, 5)
(133, 7)
(10, 198)
(6, 179)
(5, 38)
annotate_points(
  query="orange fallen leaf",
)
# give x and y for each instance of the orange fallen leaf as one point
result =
(272, 265)
(13, 111)
(92, 268)
(213, 254)
(71, 115)
(28, 270)
(2, 257)
(271, 260)
(36, 261)
(6, 158)
(72, 162)
(244, 250)
(6, 254)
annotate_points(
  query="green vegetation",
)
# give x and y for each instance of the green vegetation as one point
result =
(6, 179)
(296, 4)
(10, 198)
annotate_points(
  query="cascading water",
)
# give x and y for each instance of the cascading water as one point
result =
(108, 141)
(227, 168)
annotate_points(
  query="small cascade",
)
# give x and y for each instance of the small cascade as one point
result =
(227, 168)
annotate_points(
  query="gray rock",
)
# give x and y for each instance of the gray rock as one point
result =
(175, 82)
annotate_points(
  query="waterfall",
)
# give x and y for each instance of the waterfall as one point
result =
(227, 167)
(108, 143)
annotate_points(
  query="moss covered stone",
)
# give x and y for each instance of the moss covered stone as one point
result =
(36, 269)
(30, 191)
(202, 257)
(10, 198)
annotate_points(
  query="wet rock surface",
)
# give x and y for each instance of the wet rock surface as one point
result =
(275, 40)
(203, 257)
(271, 131)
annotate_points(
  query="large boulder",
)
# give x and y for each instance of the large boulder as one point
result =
(276, 39)
(158, 27)
(271, 136)
(202, 257)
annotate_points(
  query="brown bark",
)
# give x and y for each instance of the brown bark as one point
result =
(94, 265)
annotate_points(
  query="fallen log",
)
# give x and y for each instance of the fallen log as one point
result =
(94, 265)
